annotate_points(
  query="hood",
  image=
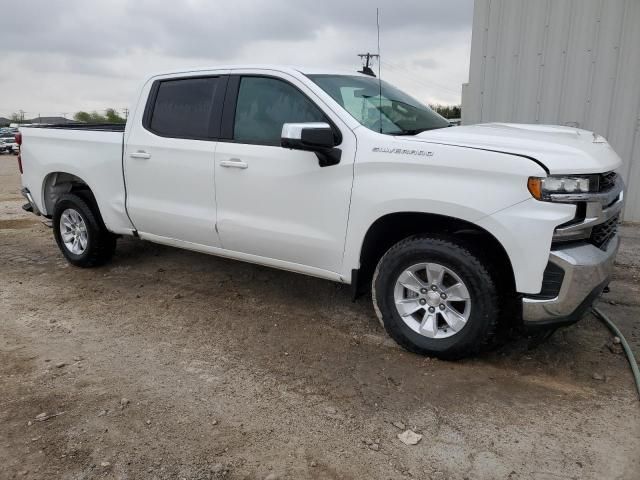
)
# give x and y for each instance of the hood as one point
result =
(562, 150)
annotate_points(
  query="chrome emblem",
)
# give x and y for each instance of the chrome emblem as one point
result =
(403, 151)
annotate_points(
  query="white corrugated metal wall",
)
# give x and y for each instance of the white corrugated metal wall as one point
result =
(563, 62)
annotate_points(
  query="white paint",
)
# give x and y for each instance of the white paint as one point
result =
(95, 157)
(286, 211)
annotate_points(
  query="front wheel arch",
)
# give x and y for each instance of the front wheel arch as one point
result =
(392, 228)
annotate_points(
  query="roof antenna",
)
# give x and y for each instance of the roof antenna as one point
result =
(367, 70)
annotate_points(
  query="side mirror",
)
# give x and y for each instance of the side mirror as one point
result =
(313, 137)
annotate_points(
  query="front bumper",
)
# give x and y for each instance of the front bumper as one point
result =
(587, 271)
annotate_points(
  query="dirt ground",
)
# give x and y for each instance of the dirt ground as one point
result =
(173, 364)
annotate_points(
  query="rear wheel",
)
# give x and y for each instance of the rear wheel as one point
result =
(434, 297)
(80, 232)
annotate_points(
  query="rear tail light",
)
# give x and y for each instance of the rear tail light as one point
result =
(19, 142)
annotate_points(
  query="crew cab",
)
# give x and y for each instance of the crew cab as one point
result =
(459, 232)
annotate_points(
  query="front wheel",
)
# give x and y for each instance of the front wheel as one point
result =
(80, 232)
(434, 297)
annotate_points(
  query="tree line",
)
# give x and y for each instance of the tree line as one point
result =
(110, 116)
(448, 111)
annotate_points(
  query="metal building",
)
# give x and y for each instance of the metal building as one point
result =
(563, 62)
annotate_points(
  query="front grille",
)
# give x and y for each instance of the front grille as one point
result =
(551, 282)
(606, 181)
(602, 234)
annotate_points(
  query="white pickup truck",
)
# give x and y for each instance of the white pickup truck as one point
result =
(459, 231)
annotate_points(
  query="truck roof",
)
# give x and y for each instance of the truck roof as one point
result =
(291, 69)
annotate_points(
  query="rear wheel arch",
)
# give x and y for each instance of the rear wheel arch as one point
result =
(57, 184)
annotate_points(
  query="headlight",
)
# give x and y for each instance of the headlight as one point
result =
(542, 188)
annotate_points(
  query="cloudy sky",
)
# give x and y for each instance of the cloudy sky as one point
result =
(64, 56)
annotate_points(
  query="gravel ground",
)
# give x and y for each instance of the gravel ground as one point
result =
(173, 364)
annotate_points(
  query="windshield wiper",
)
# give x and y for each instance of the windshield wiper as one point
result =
(414, 131)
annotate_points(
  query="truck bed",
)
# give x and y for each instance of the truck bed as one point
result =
(90, 152)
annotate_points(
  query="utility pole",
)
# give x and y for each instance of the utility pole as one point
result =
(366, 59)
(125, 111)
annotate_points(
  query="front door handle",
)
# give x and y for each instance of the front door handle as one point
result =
(140, 154)
(234, 163)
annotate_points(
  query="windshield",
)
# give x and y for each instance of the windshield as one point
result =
(393, 113)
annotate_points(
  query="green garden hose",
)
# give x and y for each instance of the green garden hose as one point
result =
(625, 346)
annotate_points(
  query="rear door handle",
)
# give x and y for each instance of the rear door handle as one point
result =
(234, 163)
(140, 154)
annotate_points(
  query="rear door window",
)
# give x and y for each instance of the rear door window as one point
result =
(183, 108)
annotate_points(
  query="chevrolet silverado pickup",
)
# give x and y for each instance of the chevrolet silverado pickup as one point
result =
(459, 232)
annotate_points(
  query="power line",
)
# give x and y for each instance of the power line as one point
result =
(422, 81)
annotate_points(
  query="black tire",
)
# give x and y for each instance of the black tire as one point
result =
(101, 243)
(484, 312)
